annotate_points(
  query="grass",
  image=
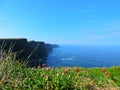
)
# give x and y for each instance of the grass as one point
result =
(15, 76)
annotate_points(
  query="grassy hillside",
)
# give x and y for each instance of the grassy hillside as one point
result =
(15, 76)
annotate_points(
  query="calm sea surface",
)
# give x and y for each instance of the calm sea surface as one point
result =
(84, 56)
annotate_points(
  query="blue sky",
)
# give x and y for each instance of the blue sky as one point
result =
(85, 22)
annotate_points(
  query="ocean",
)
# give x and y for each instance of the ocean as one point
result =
(84, 56)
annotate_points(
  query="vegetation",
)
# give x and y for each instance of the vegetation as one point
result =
(15, 76)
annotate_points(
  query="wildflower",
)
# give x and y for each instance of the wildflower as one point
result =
(68, 69)
(47, 77)
(42, 75)
(107, 74)
(103, 70)
(39, 66)
(48, 68)
(43, 65)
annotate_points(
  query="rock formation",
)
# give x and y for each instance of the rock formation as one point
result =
(16, 45)
(37, 49)
(31, 50)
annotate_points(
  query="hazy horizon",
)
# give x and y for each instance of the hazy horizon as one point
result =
(64, 22)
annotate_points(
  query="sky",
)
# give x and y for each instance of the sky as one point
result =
(82, 22)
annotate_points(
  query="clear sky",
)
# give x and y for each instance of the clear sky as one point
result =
(86, 22)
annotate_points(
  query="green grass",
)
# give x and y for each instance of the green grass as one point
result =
(15, 76)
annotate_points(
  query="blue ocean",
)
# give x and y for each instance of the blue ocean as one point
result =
(84, 56)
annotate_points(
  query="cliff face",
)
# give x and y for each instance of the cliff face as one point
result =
(16, 45)
(32, 49)
(37, 49)
(48, 47)
(54, 45)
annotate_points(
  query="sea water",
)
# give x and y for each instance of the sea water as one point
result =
(84, 56)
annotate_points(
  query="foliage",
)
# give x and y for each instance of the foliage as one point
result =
(15, 76)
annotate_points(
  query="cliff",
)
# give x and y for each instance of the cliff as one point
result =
(48, 47)
(37, 49)
(54, 45)
(32, 49)
(16, 45)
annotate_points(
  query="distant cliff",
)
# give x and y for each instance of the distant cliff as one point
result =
(32, 49)
(49, 47)
(54, 45)
(37, 49)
